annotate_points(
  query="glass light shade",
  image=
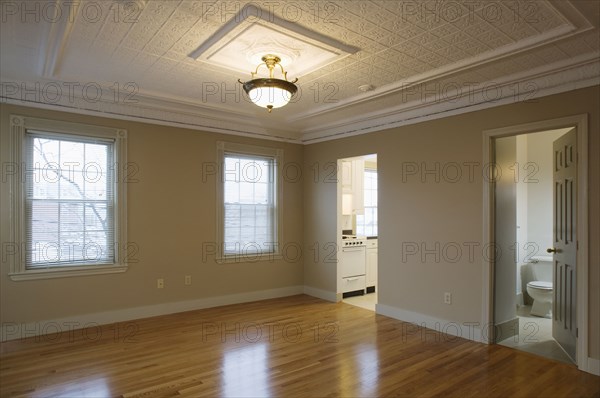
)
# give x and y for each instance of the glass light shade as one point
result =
(274, 96)
(270, 93)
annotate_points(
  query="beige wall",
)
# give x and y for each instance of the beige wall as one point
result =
(412, 212)
(171, 212)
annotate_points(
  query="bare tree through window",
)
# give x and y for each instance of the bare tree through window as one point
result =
(69, 202)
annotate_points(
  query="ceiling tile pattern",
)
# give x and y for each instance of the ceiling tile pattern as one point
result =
(400, 43)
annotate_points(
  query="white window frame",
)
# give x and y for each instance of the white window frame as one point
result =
(224, 148)
(19, 125)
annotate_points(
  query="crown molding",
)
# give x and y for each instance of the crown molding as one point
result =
(579, 72)
(552, 79)
(150, 120)
(146, 109)
(507, 51)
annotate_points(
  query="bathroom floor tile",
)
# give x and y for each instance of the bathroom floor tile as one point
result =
(535, 336)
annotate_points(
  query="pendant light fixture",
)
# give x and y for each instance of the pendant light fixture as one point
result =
(270, 92)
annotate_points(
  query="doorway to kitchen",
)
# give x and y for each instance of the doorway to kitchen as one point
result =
(357, 231)
(535, 206)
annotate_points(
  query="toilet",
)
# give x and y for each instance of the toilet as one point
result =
(540, 289)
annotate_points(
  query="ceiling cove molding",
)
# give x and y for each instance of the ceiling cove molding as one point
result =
(149, 120)
(143, 104)
(545, 80)
(58, 37)
(451, 112)
(548, 80)
(568, 71)
(147, 110)
(529, 44)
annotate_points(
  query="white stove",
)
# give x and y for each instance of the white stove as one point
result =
(353, 240)
(352, 257)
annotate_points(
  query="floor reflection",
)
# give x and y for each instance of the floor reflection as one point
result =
(246, 371)
(368, 365)
(86, 388)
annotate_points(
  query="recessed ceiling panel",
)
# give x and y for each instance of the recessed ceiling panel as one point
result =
(240, 44)
(244, 52)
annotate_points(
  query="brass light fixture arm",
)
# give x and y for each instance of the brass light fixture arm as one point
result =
(270, 61)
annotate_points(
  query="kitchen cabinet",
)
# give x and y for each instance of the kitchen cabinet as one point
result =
(358, 186)
(347, 177)
(371, 265)
(353, 172)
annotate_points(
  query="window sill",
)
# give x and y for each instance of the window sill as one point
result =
(66, 272)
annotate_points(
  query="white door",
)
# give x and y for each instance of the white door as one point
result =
(564, 321)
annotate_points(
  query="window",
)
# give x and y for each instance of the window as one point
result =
(70, 205)
(249, 201)
(366, 225)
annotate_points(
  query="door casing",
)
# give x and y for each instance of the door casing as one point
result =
(580, 122)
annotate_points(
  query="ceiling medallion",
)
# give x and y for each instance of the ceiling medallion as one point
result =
(270, 92)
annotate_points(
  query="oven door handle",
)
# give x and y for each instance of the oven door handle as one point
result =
(351, 279)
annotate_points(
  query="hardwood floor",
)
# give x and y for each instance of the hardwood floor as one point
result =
(295, 346)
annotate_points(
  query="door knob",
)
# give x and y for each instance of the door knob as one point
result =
(552, 250)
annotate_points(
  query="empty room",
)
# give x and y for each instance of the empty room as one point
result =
(207, 198)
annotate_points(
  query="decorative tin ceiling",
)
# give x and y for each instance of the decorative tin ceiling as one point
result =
(177, 62)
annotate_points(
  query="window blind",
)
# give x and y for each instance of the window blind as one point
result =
(69, 200)
(249, 204)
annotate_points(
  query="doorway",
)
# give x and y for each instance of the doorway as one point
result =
(357, 231)
(524, 281)
(508, 311)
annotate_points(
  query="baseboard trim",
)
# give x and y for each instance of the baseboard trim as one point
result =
(506, 329)
(322, 294)
(593, 366)
(443, 328)
(13, 330)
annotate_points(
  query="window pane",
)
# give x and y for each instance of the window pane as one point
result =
(232, 170)
(71, 184)
(246, 192)
(45, 152)
(248, 221)
(232, 193)
(45, 183)
(96, 187)
(96, 156)
(72, 155)
(366, 225)
(69, 202)
(261, 193)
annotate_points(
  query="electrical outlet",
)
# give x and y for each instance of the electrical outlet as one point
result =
(188, 280)
(448, 298)
(160, 283)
